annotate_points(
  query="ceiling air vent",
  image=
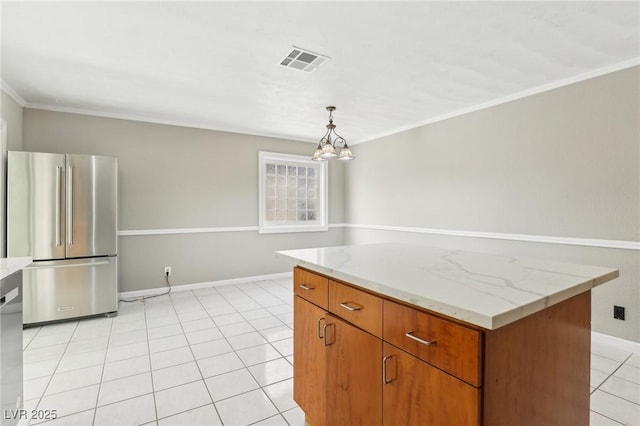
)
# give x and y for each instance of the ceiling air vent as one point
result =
(303, 60)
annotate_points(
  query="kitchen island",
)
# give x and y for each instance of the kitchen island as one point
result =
(398, 334)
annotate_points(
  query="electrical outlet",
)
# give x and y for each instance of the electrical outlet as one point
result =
(618, 312)
(167, 271)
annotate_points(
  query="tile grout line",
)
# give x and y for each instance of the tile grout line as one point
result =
(280, 381)
(41, 397)
(195, 360)
(246, 367)
(611, 374)
(104, 364)
(603, 382)
(153, 390)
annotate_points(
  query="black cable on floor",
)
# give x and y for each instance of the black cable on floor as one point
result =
(143, 298)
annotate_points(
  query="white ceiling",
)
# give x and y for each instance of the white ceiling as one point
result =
(216, 64)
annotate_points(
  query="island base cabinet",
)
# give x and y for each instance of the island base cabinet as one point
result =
(541, 365)
(428, 370)
(336, 369)
(417, 394)
(309, 361)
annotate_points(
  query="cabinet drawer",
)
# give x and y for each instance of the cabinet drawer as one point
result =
(451, 347)
(311, 286)
(356, 306)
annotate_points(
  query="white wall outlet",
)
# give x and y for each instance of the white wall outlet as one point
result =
(167, 271)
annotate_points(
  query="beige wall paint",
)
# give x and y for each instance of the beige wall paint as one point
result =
(177, 177)
(560, 163)
(11, 112)
(564, 162)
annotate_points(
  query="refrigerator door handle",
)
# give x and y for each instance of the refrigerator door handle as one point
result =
(59, 171)
(70, 206)
(34, 267)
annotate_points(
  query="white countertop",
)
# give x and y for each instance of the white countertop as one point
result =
(484, 289)
(9, 265)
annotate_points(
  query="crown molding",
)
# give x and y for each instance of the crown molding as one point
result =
(513, 97)
(12, 93)
(519, 95)
(152, 120)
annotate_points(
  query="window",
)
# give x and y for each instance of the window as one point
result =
(293, 193)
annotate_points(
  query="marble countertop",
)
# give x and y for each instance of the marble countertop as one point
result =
(483, 289)
(9, 265)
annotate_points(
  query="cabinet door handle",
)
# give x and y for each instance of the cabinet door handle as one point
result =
(385, 381)
(410, 335)
(350, 306)
(320, 329)
(306, 287)
(324, 336)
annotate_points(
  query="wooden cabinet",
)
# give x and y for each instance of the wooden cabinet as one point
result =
(338, 362)
(312, 287)
(309, 360)
(416, 394)
(354, 371)
(447, 345)
(361, 309)
(336, 366)
(364, 359)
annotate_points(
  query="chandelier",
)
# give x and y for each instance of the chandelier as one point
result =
(330, 142)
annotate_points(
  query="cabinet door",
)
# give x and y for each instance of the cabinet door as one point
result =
(309, 360)
(354, 374)
(416, 393)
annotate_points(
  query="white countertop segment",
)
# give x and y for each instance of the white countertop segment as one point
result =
(484, 289)
(9, 265)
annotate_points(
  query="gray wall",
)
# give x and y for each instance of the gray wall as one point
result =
(11, 112)
(562, 163)
(176, 177)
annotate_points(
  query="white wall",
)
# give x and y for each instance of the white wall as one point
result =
(563, 163)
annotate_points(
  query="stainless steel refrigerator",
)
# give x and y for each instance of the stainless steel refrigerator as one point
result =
(62, 211)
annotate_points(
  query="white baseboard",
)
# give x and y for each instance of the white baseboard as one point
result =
(196, 286)
(617, 342)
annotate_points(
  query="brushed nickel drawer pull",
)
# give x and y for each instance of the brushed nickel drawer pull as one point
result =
(324, 336)
(385, 381)
(306, 287)
(320, 329)
(410, 335)
(346, 305)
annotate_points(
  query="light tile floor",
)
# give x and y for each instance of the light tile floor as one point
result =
(217, 356)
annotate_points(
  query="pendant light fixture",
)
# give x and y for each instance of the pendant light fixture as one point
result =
(330, 142)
